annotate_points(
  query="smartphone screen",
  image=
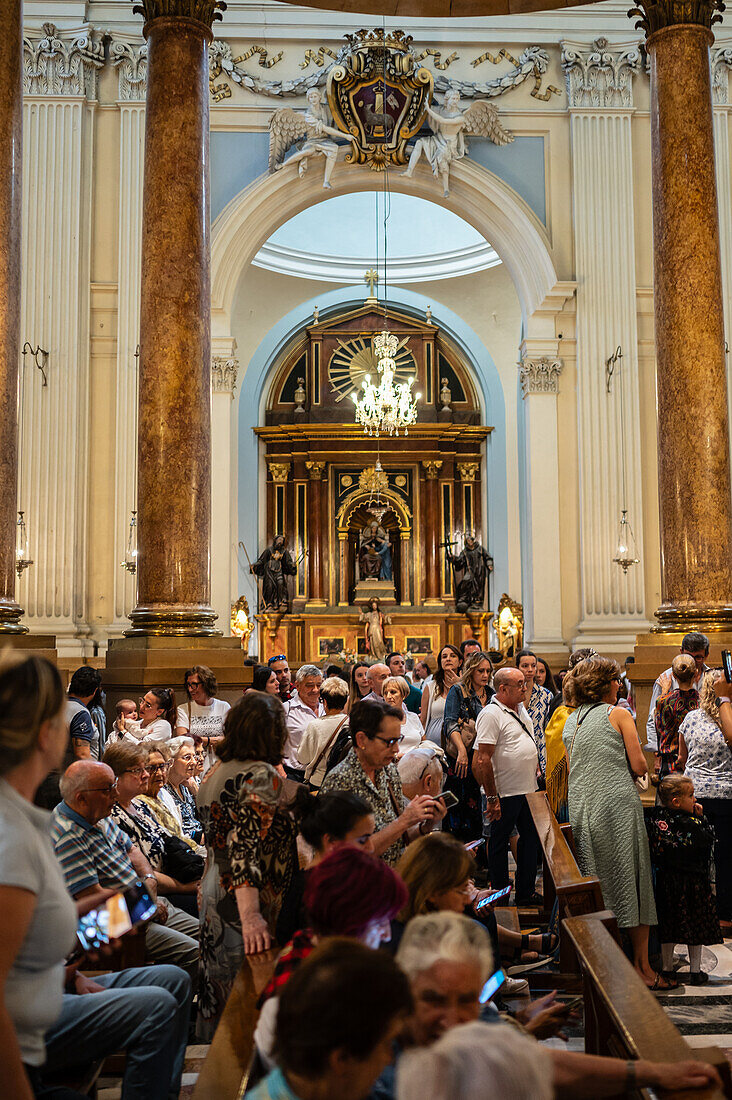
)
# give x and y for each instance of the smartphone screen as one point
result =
(139, 903)
(495, 896)
(492, 986)
(120, 913)
(727, 665)
(449, 799)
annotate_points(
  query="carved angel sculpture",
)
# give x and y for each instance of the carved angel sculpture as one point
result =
(313, 130)
(449, 126)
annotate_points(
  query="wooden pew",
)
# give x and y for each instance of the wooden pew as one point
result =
(563, 881)
(622, 1016)
(226, 1066)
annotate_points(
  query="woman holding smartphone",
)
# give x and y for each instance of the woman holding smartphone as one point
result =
(39, 916)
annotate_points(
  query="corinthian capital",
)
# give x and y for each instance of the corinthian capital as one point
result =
(62, 64)
(721, 64)
(131, 64)
(223, 374)
(598, 76)
(540, 375)
(204, 11)
(657, 14)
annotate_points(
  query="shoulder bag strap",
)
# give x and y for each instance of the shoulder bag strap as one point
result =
(312, 768)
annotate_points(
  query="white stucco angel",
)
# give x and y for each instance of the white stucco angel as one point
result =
(313, 129)
(449, 125)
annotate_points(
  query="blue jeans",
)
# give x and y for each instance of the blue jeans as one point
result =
(144, 1012)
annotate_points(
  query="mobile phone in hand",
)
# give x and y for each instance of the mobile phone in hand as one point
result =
(497, 895)
(449, 799)
(727, 665)
(119, 914)
(492, 986)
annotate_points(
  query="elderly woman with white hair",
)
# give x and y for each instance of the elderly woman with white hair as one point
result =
(300, 710)
(448, 959)
(182, 768)
(395, 690)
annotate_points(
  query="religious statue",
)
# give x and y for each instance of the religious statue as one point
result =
(274, 565)
(374, 554)
(449, 126)
(313, 129)
(509, 627)
(375, 621)
(475, 563)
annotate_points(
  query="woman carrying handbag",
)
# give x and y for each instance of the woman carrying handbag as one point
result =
(464, 703)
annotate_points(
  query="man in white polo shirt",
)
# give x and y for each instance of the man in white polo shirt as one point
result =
(505, 765)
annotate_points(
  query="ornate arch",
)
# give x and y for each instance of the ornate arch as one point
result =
(358, 497)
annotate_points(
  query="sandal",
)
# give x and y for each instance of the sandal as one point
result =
(658, 988)
(548, 943)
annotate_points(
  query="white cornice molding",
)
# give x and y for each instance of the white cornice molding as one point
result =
(409, 269)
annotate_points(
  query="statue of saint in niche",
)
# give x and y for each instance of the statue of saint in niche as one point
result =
(475, 563)
(374, 554)
(274, 565)
(375, 621)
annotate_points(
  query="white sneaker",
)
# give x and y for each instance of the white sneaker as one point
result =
(514, 987)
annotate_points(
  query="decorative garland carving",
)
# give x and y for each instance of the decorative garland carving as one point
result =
(131, 64)
(654, 15)
(436, 56)
(532, 64)
(600, 77)
(59, 66)
(203, 11)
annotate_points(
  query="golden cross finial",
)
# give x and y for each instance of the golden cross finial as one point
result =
(371, 277)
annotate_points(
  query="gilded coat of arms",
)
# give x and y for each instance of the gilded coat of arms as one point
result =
(378, 94)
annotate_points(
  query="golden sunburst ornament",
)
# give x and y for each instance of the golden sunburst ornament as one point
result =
(354, 359)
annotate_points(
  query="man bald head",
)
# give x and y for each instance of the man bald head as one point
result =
(377, 675)
(510, 685)
(90, 789)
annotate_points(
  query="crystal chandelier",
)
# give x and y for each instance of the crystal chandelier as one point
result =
(389, 406)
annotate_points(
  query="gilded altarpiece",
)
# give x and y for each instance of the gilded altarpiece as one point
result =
(320, 488)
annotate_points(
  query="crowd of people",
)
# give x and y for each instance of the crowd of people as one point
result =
(355, 821)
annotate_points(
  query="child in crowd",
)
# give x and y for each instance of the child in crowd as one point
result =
(671, 709)
(126, 722)
(681, 840)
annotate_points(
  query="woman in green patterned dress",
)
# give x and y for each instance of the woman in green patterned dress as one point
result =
(605, 811)
(250, 836)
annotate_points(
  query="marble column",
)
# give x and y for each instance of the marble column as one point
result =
(174, 428)
(600, 93)
(11, 132)
(432, 527)
(316, 529)
(693, 430)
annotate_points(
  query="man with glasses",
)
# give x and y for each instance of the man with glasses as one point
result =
(505, 764)
(278, 664)
(95, 853)
(369, 771)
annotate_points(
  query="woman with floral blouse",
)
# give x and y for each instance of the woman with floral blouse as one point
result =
(250, 837)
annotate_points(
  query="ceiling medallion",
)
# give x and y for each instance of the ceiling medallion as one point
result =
(378, 93)
(389, 406)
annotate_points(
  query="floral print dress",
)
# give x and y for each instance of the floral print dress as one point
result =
(250, 838)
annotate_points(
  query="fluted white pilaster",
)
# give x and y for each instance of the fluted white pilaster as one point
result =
(600, 90)
(721, 62)
(130, 60)
(224, 370)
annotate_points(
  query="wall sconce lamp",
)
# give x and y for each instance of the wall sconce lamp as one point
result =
(40, 358)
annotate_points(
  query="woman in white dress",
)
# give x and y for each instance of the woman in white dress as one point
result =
(434, 694)
(396, 690)
(202, 717)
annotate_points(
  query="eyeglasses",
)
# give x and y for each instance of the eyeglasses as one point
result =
(152, 768)
(144, 704)
(139, 772)
(279, 657)
(193, 683)
(101, 790)
(390, 741)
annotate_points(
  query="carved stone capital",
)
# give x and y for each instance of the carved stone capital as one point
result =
(223, 374)
(540, 375)
(203, 11)
(598, 76)
(468, 471)
(316, 470)
(432, 467)
(280, 471)
(62, 64)
(654, 15)
(721, 63)
(131, 64)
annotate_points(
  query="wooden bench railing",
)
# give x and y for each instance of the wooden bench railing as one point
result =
(623, 1018)
(226, 1067)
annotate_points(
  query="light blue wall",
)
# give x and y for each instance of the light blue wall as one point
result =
(254, 381)
(237, 158)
